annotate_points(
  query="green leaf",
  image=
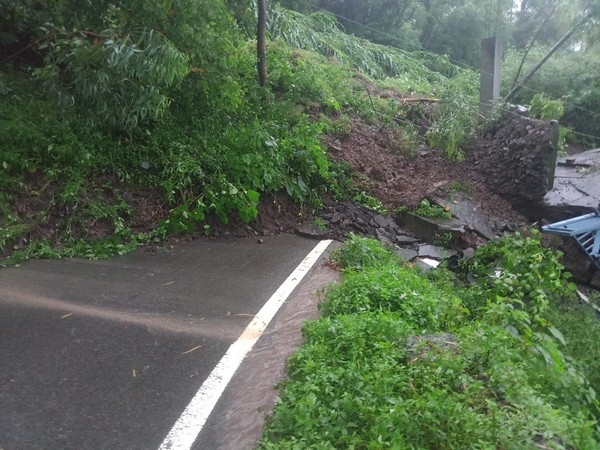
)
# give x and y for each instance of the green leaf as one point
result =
(252, 195)
(557, 334)
(544, 353)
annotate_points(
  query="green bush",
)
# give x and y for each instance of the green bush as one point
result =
(118, 79)
(546, 109)
(360, 253)
(427, 209)
(397, 361)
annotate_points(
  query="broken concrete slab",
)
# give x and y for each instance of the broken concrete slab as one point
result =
(403, 239)
(407, 254)
(470, 212)
(435, 252)
(430, 229)
(576, 188)
(426, 264)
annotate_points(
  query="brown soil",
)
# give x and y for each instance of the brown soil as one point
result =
(405, 177)
(389, 169)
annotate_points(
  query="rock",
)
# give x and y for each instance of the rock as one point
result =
(336, 218)
(383, 236)
(518, 160)
(433, 251)
(403, 239)
(350, 217)
(467, 253)
(310, 231)
(384, 221)
(406, 254)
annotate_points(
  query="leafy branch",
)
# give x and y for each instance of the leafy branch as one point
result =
(123, 78)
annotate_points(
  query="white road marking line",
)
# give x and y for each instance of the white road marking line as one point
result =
(185, 431)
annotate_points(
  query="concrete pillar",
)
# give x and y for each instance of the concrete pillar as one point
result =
(490, 77)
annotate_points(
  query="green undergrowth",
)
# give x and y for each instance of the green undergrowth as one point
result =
(111, 107)
(579, 323)
(407, 360)
(425, 208)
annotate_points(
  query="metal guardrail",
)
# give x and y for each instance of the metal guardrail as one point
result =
(584, 229)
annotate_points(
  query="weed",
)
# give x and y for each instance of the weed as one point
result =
(457, 187)
(319, 224)
(565, 135)
(10, 232)
(443, 240)
(456, 118)
(546, 109)
(431, 210)
(358, 253)
(341, 126)
(581, 328)
(401, 210)
(365, 199)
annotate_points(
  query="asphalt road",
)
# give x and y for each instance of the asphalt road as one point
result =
(107, 354)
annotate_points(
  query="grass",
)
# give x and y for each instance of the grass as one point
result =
(401, 359)
(579, 324)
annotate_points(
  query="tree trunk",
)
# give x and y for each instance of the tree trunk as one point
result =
(261, 46)
(547, 56)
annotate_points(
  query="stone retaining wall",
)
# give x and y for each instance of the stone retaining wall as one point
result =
(517, 157)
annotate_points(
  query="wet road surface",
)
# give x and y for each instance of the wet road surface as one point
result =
(107, 354)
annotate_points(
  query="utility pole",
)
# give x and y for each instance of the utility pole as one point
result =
(261, 46)
(490, 74)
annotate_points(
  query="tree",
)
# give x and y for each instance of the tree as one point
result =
(388, 22)
(527, 20)
(120, 61)
(434, 25)
(592, 12)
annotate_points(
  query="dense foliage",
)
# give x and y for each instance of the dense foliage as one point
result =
(403, 360)
(163, 98)
(528, 28)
